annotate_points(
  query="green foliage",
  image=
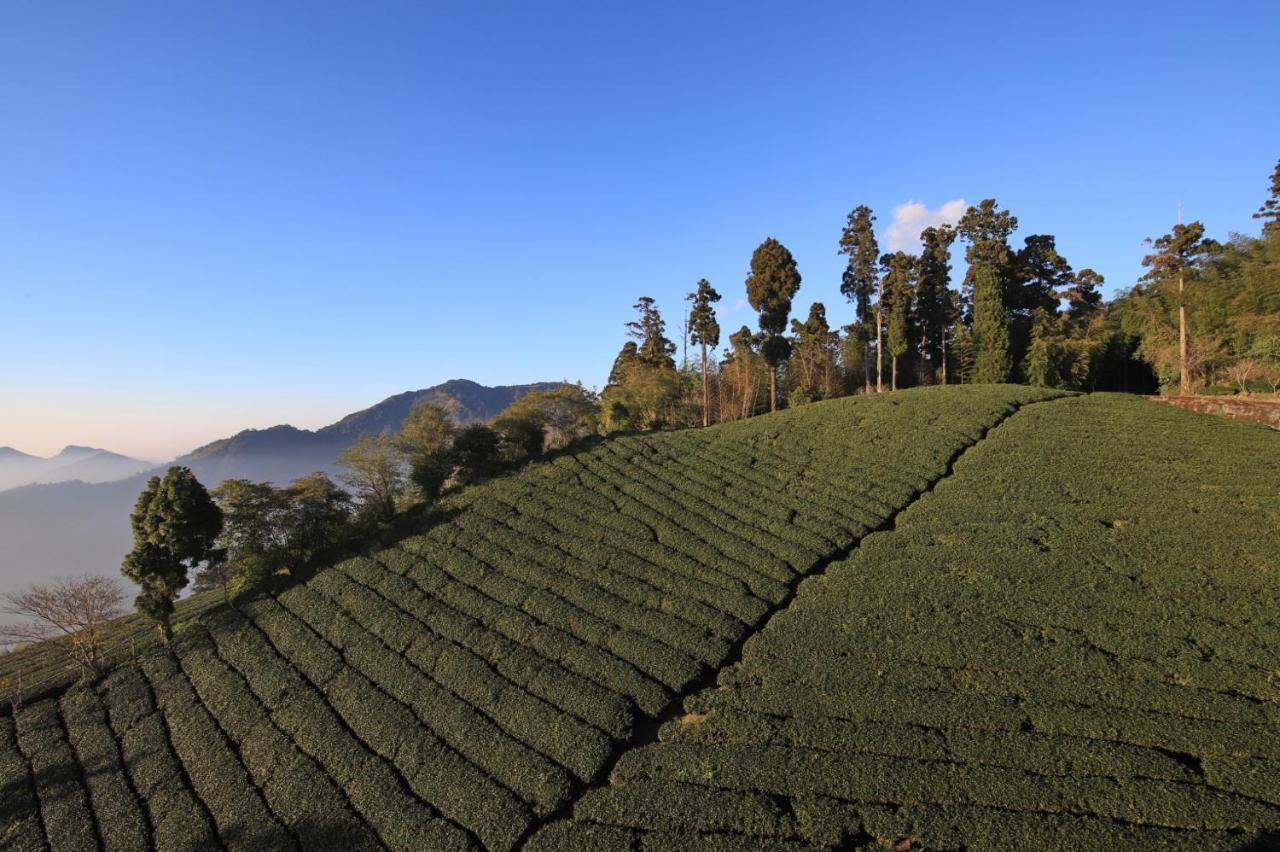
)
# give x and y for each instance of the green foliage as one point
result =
(991, 360)
(644, 388)
(900, 270)
(653, 349)
(771, 285)
(1269, 212)
(813, 368)
(175, 526)
(564, 414)
(425, 439)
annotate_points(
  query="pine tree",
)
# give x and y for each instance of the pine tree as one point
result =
(861, 275)
(1186, 248)
(986, 229)
(1269, 212)
(176, 525)
(704, 331)
(991, 363)
(771, 285)
(1082, 295)
(649, 330)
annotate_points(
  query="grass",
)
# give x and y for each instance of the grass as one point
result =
(1016, 647)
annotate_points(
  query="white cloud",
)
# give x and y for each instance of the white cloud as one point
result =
(903, 233)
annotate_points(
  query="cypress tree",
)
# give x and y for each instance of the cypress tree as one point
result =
(990, 328)
(861, 277)
(704, 331)
(933, 295)
(900, 269)
(772, 284)
(1041, 367)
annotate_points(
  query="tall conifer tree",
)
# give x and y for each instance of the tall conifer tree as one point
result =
(704, 331)
(861, 274)
(772, 284)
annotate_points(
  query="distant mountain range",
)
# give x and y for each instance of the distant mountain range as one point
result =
(82, 526)
(88, 464)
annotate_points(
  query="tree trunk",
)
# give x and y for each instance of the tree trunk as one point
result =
(1184, 385)
(944, 356)
(166, 630)
(773, 389)
(894, 372)
(879, 350)
(866, 363)
(706, 392)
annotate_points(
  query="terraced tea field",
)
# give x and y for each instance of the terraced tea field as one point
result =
(1031, 621)
(1073, 642)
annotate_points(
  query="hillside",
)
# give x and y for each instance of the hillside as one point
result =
(993, 650)
(75, 527)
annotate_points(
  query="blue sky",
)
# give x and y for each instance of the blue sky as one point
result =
(223, 215)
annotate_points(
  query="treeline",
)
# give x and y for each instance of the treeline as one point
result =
(1205, 314)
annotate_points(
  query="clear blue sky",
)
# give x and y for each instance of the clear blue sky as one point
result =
(233, 214)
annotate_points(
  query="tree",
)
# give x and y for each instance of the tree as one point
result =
(986, 229)
(813, 362)
(176, 525)
(563, 414)
(771, 285)
(899, 270)
(704, 331)
(318, 518)
(1039, 275)
(1185, 248)
(649, 331)
(375, 471)
(425, 437)
(475, 453)
(252, 536)
(78, 609)
(933, 295)
(1269, 212)
(861, 274)
(1042, 364)
(1083, 294)
(991, 363)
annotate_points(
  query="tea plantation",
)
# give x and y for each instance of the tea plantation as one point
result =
(1030, 621)
(1073, 642)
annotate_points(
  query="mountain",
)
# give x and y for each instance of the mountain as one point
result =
(88, 464)
(74, 527)
(283, 453)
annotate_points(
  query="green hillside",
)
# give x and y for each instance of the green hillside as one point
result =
(1062, 625)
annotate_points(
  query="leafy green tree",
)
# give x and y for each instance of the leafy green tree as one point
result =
(520, 436)
(318, 520)
(563, 414)
(742, 374)
(1269, 212)
(899, 272)
(375, 471)
(861, 274)
(253, 530)
(425, 438)
(704, 331)
(933, 296)
(475, 453)
(176, 525)
(814, 353)
(772, 284)
(991, 362)
(1184, 249)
